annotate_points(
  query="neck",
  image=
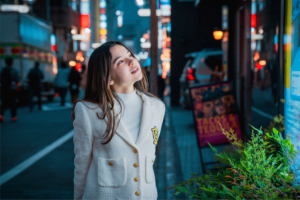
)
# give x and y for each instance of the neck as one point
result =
(123, 89)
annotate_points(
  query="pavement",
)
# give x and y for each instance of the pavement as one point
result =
(177, 151)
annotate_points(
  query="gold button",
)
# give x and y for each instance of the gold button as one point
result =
(111, 163)
(136, 179)
(136, 165)
(137, 193)
(134, 150)
(153, 160)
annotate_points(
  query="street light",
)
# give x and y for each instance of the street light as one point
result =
(218, 34)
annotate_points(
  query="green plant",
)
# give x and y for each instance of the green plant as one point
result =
(257, 169)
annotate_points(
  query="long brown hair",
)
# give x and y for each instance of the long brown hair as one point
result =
(100, 92)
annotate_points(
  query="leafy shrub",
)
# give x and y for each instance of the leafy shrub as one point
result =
(257, 169)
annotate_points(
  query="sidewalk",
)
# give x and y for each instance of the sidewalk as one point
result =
(177, 151)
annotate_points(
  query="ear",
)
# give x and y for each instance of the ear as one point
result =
(111, 82)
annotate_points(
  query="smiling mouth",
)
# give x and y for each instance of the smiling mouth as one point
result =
(135, 71)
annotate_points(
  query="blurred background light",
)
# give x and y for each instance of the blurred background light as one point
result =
(262, 62)
(143, 40)
(73, 31)
(103, 40)
(146, 36)
(261, 31)
(144, 12)
(140, 2)
(120, 21)
(103, 25)
(87, 30)
(120, 37)
(84, 20)
(80, 37)
(72, 63)
(96, 45)
(218, 34)
(118, 12)
(146, 45)
(103, 17)
(29, 1)
(102, 4)
(103, 31)
(15, 8)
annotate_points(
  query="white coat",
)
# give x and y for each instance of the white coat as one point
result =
(120, 169)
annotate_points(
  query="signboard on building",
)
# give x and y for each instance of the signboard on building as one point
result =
(214, 105)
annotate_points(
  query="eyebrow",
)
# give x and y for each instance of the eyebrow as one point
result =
(118, 58)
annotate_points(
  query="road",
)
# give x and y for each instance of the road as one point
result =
(51, 176)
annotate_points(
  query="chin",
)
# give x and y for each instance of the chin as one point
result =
(139, 76)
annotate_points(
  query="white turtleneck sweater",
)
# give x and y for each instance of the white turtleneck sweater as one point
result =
(132, 113)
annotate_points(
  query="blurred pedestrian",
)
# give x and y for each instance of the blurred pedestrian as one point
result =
(83, 75)
(35, 77)
(116, 128)
(61, 81)
(9, 81)
(74, 81)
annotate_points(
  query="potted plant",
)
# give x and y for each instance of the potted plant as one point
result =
(256, 169)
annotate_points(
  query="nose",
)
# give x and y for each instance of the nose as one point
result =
(131, 61)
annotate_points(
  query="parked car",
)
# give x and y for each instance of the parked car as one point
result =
(202, 67)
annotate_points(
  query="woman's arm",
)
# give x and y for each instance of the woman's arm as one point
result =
(83, 141)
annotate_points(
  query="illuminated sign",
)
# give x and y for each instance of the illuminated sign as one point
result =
(80, 37)
(257, 37)
(85, 20)
(253, 20)
(15, 8)
(53, 42)
(146, 45)
(147, 12)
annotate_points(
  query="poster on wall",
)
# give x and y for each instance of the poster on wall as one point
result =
(214, 104)
(292, 79)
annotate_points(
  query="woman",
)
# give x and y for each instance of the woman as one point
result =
(116, 128)
(74, 81)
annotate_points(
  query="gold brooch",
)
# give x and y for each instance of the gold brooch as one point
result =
(155, 134)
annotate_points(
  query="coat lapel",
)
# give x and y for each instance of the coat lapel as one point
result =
(122, 131)
(146, 121)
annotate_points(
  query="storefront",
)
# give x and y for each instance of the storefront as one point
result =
(256, 61)
(266, 65)
(292, 77)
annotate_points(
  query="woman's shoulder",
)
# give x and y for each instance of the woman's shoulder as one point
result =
(86, 106)
(155, 101)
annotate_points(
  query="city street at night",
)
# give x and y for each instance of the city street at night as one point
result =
(149, 99)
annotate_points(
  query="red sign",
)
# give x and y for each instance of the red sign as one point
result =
(214, 104)
(253, 20)
(85, 20)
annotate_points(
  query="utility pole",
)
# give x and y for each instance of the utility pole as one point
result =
(154, 48)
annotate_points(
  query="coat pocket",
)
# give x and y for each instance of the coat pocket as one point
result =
(111, 172)
(149, 168)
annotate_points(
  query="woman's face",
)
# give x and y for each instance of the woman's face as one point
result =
(125, 69)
